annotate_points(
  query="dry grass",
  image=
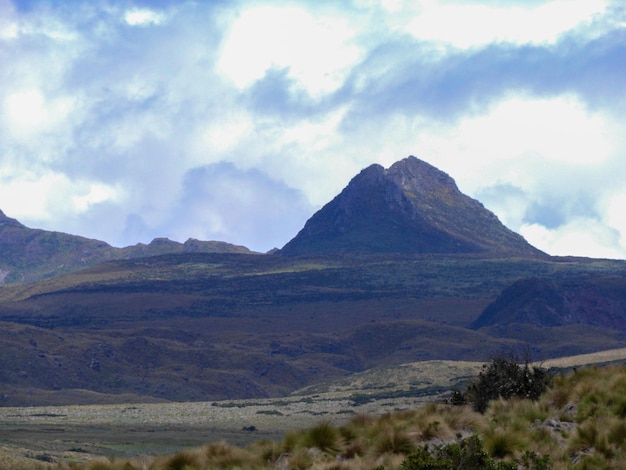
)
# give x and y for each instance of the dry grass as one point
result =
(611, 355)
(579, 423)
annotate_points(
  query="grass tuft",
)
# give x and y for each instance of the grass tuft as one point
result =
(324, 436)
(392, 441)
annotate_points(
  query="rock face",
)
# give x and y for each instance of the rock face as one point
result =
(411, 207)
(598, 302)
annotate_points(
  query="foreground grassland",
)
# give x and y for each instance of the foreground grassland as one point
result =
(81, 433)
(374, 421)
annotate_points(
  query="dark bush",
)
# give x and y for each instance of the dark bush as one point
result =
(467, 454)
(505, 377)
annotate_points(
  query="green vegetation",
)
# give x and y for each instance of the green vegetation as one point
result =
(191, 327)
(504, 377)
(577, 423)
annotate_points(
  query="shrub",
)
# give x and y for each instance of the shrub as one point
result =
(500, 443)
(221, 455)
(505, 378)
(467, 454)
(532, 461)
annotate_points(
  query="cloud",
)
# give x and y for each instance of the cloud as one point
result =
(143, 17)
(221, 202)
(578, 237)
(405, 75)
(472, 24)
(316, 49)
(46, 195)
(169, 118)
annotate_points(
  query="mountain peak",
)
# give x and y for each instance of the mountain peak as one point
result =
(410, 207)
(415, 175)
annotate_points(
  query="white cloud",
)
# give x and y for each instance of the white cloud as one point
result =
(95, 193)
(44, 197)
(25, 111)
(143, 17)
(518, 139)
(8, 25)
(317, 50)
(106, 112)
(614, 214)
(471, 24)
(579, 237)
(226, 133)
(28, 112)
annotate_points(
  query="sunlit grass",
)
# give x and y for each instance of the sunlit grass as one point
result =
(578, 424)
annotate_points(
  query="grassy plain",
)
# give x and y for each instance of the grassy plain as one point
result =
(36, 435)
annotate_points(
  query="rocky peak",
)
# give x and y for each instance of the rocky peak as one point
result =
(415, 176)
(410, 207)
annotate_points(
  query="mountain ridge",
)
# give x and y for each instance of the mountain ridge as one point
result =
(30, 254)
(202, 326)
(410, 207)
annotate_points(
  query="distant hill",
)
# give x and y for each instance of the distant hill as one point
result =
(400, 267)
(28, 255)
(200, 326)
(412, 207)
(599, 301)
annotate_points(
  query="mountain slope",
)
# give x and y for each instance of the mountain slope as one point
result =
(202, 326)
(412, 207)
(28, 255)
(599, 301)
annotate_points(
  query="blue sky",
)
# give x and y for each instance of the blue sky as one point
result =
(236, 121)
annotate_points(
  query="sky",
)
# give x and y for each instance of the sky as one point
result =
(127, 120)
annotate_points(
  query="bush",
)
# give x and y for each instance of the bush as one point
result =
(505, 378)
(467, 454)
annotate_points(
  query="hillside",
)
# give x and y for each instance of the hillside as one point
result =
(599, 301)
(411, 207)
(28, 255)
(224, 326)
(577, 423)
(400, 267)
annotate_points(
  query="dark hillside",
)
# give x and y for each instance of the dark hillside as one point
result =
(600, 301)
(29, 255)
(214, 326)
(411, 207)
(395, 269)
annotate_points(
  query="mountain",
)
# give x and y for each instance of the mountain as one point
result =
(210, 326)
(400, 267)
(28, 255)
(599, 301)
(412, 207)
